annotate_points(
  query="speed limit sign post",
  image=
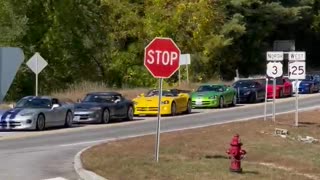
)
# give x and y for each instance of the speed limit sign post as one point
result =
(297, 71)
(274, 70)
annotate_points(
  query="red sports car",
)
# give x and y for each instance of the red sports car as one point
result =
(283, 88)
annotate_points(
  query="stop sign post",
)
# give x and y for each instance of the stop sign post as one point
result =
(162, 59)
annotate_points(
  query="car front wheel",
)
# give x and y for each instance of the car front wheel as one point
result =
(105, 117)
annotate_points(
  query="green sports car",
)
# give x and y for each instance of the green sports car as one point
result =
(214, 95)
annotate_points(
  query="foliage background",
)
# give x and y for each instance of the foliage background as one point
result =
(104, 40)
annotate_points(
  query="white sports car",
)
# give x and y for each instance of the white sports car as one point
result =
(37, 112)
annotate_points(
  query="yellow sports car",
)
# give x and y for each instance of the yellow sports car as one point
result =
(173, 102)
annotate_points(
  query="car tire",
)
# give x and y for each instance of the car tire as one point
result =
(234, 100)
(253, 98)
(291, 92)
(221, 102)
(173, 109)
(68, 120)
(281, 94)
(189, 107)
(105, 118)
(41, 122)
(130, 113)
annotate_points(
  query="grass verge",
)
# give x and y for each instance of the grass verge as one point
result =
(200, 153)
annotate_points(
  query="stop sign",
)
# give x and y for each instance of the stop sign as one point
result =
(162, 57)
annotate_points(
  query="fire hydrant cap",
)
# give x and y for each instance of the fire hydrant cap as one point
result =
(235, 140)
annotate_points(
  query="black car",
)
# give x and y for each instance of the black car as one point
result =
(249, 91)
(102, 107)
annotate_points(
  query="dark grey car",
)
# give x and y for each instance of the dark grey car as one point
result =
(249, 91)
(101, 107)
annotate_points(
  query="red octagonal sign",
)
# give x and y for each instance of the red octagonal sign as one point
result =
(162, 57)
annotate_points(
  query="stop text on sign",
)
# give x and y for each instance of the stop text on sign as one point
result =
(161, 57)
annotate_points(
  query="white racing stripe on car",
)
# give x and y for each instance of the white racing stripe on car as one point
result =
(56, 178)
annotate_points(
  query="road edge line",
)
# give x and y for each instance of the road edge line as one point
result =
(83, 173)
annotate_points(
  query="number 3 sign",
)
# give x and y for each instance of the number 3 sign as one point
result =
(297, 70)
(274, 69)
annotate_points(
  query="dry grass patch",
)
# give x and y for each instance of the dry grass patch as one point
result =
(78, 91)
(200, 153)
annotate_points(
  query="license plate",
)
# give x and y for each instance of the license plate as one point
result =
(76, 118)
(198, 102)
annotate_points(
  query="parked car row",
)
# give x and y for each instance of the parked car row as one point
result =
(40, 112)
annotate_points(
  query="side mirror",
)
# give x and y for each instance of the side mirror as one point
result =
(142, 94)
(54, 106)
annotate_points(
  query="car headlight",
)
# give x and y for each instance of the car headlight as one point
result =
(95, 108)
(165, 102)
(247, 93)
(27, 114)
(213, 97)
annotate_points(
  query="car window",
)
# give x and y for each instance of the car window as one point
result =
(99, 98)
(34, 103)
(164, 93)
(216, 88)
(279, 81)
(244, 84)
(55, 101)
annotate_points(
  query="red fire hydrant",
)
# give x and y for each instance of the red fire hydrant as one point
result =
(236, 154)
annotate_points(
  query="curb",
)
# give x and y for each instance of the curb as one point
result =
(83, 173)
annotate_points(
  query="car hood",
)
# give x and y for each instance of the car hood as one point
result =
(87, 105)
(270, 87)
(243, 89)
(205, 94)
(12, 113)
(306, 83)
(151, 101)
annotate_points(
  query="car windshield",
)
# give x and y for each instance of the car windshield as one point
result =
(316, 78)
(164, 93)
(279, 81)
(308, 78)
(34, 103)
(217, 88)
(99, 98)
(244, 84)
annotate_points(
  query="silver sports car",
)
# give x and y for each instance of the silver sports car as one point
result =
(37, 112)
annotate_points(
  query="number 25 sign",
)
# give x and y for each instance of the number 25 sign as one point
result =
(297, 70)
(274, 69)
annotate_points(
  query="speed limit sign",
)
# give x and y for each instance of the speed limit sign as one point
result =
(297, 70)
(274, 69)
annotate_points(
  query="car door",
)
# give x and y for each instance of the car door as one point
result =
(260, 90)
(287, 87)
(58, 113)
(228, 91)
(120, 106)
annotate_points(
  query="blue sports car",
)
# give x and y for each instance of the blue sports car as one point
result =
(309, 85)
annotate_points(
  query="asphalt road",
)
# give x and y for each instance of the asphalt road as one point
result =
(49, 154)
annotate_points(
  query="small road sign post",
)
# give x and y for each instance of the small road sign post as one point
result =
(297, 70)
(184, 60)
(162, 59)
(274, 70)
(36, 63)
